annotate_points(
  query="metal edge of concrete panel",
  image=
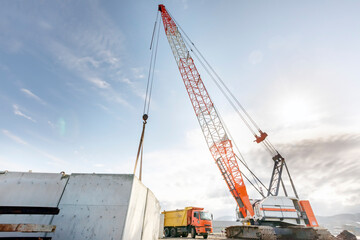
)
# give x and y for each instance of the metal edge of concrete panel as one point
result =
(93, 206)
(29, 189)
(136, 211)
(152, 218)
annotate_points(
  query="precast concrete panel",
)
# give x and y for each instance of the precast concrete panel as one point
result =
(98, 189)
(136, 211)
(93, 206)
(80, 222)
(29, 190)
(152, 218)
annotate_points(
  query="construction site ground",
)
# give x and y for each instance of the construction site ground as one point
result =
(217, 236)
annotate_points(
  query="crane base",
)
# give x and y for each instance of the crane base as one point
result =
(278, 233)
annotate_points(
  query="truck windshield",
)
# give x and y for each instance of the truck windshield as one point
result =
(205, 216)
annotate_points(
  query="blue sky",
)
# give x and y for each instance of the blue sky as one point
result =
(73, 76)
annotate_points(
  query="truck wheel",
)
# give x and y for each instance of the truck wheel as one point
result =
(205, 236)
(184, 234)
(173, 232)
(167, 232)
(193, 232)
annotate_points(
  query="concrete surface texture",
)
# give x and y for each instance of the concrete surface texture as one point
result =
(92, 206)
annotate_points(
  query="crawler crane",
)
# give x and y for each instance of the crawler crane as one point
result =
(273, 216)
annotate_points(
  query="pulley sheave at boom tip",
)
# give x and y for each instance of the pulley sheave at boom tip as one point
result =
(211, 125)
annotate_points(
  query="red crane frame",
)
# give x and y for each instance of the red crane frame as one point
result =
(214, 132)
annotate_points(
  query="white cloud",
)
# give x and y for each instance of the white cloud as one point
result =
(19, 113)
(54, 159)
(315, 165)
(32, 95)
(87, 61)
(138, 72)
(51, 124)
(99, 82)
(14, 137)
(103, 107)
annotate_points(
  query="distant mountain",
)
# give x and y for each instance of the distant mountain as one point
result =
(337, 223)
(219, 226)
(225, 218)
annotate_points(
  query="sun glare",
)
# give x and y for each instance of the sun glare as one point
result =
(297, 110)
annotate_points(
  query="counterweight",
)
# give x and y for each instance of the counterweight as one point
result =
(214, 132)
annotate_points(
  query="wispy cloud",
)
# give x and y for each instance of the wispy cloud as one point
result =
(19, 113)
(54, 159)
(14, 137)
(30, 94)
(91, 47)
(93, 51)
(138, 72)
(99, 82)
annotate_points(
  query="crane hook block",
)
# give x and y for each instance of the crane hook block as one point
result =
(260, 138)
(145, 117)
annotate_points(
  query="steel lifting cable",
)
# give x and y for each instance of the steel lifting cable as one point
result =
(268, 146)
(228, 132)
(242, 159)
(218, 77)
(229, 100)
(265, 142)
(227, 97)
(149, 85)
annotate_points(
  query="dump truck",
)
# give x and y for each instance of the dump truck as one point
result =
(181, 222)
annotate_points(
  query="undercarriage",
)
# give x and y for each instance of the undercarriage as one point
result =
(278, 233)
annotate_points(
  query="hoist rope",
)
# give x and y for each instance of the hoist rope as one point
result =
(149, 86)
(217, 76)
(231, 99)
(227, 93)
(241, 158)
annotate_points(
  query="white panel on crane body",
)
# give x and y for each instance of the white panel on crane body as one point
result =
(278, 207)
(92, 206)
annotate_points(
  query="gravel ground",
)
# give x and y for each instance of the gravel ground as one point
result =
(214, 236)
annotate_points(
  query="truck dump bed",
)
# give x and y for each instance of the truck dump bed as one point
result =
(178, 217)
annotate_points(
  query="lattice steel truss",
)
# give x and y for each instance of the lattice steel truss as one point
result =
(214, 132)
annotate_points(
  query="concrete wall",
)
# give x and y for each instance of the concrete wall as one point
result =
(92, 206)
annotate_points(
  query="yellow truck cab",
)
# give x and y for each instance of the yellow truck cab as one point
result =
(192, 220)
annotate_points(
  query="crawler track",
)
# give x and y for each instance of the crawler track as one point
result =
(278, 233)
